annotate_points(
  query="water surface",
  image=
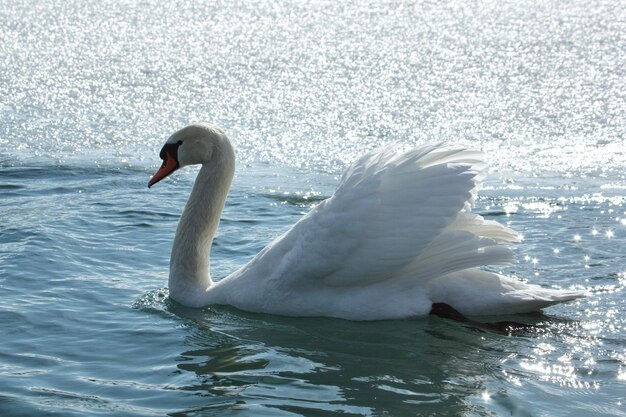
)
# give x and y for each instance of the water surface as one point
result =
(88, 93)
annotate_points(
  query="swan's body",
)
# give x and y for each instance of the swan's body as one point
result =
(397, 236)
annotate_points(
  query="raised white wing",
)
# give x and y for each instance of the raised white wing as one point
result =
(395, 215)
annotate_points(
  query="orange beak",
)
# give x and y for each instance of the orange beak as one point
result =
(170, 164)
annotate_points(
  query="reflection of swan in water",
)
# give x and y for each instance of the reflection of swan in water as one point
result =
(396, 237)
(244, 364)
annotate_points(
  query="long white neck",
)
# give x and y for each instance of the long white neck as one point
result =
(189, 264)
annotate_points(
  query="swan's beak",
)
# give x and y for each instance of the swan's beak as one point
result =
(170, 164)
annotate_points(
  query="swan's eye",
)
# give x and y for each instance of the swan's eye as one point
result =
(170, 149)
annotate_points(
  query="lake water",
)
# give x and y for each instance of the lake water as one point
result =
(89, 91)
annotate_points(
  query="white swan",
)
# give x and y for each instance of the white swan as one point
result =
(397, 236)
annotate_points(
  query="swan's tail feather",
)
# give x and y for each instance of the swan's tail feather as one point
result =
(477, 292)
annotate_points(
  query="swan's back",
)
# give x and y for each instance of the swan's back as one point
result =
(398, 226)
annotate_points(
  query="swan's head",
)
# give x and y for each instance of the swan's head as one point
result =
(195, 144)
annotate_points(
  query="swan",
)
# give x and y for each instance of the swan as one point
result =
(396, 238)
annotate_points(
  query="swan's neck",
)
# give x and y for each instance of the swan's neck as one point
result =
(189, 264)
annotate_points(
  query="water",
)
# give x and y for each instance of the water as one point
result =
(88, 93)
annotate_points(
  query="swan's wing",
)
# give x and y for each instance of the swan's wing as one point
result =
(395, 215)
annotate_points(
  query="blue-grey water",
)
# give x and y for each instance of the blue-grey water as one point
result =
(90, 90)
